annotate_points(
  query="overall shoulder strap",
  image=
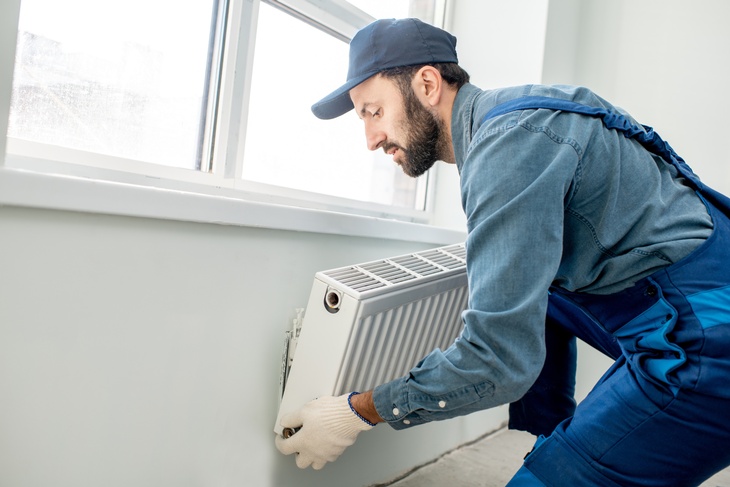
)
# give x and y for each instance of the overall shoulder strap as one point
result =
(645, 135)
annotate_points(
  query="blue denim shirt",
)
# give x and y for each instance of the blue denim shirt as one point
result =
(551, 198)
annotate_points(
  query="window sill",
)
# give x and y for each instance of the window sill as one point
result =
(19, 187)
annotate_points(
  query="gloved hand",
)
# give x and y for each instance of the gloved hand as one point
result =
(328, 426)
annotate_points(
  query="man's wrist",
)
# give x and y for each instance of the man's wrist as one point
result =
(365, 407)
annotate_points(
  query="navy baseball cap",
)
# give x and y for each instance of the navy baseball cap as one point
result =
(385, 44)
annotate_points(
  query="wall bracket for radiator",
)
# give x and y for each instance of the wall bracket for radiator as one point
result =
(291, 339)
(369, 323)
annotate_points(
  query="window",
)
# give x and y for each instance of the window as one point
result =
(106, 78)
(134, 88)
(294, 66)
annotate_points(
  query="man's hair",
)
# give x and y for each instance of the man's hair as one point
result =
(452, 73)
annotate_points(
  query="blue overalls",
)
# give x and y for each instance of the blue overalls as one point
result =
(660, 416)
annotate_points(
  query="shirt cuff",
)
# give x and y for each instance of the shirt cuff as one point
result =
(391, 402)
(402, 407)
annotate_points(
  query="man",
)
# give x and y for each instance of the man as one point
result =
(580, 223)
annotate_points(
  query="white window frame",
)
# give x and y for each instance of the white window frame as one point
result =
(43, 176)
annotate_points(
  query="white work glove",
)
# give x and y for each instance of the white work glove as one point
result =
(327, 425)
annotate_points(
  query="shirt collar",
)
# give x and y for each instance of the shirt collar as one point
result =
(462, 121)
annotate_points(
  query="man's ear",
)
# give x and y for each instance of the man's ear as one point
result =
(427, 84)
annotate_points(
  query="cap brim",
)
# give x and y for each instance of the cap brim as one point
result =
(338, 102)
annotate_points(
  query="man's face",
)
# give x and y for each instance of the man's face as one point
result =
(399, 124)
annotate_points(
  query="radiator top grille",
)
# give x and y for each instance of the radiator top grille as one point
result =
(399, 270)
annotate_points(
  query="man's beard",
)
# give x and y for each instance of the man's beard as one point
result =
(424, 134)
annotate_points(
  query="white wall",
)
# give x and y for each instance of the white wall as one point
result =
(666, 61)
(488, 49)
(145, 352)
(500, 43)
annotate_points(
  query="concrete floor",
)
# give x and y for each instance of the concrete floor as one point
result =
(490, 462)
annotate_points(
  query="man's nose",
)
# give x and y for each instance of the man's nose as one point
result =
(374, 137)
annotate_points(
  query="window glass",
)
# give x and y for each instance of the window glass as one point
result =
(384, 9)
(126, 79)
(397, 9)
(294, 66)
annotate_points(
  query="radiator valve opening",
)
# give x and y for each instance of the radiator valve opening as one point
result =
(332, 300)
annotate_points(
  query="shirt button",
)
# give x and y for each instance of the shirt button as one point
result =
(405, 421)
(442, 404)
(396, 412)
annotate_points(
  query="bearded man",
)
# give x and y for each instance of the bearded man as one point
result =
(581, 223)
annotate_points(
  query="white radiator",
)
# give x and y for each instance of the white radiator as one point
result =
(370, 323)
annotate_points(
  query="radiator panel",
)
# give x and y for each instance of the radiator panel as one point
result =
(388, 315)
(386, 345)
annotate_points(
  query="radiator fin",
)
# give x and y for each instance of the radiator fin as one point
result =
(386, 345)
